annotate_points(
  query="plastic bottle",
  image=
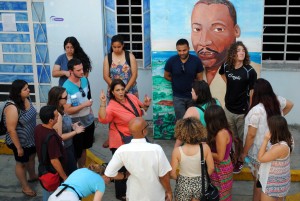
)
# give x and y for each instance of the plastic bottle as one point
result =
(74, 100)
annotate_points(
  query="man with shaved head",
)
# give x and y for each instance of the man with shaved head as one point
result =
(147, 165)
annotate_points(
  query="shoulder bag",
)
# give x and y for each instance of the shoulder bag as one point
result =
(49, 178)
(211, 193)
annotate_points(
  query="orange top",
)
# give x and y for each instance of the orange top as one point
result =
(117, 114)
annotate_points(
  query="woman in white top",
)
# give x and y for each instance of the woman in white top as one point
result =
(264, 104)
(187, 158)
(274, 171)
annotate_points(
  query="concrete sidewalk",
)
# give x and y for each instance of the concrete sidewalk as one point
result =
(242, 190)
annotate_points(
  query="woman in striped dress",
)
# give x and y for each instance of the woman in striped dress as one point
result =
(20, 120)
(274, 171)
(220, 141)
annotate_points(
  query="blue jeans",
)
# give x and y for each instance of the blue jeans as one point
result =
(181, 105)
(46, 195)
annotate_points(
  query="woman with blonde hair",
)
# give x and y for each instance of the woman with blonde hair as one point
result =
(188, 159)
(81, 183)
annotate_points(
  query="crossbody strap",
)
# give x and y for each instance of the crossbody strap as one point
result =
(202, 169)
(121, 134)
(65, 187)
(135, 113)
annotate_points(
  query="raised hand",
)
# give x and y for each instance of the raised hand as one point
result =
(147, 100)
(102, 97)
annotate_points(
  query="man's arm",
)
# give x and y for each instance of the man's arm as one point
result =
(58, 167)
(165, 182)
(199, 76)
(167, 76)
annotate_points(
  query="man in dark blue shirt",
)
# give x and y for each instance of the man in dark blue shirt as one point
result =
(182, 70)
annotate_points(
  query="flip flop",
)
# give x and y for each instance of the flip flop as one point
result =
(32, 180)
(29, 193)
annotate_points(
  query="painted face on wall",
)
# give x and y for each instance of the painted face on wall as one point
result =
(213, 31)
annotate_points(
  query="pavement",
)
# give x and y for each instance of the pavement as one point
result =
(242, 190)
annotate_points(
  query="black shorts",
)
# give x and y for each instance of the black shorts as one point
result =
(84, 140)
(28, 151)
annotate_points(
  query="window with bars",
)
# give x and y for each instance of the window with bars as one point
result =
(130, 19)
(281, 37)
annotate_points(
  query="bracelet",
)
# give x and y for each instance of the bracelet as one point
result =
(102, 105)
(146, 106)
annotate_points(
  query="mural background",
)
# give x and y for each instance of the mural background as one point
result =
(170, 21)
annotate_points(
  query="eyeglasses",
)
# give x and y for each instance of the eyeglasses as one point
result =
(182, 68)
(145, 127)
(82, 92)
(64, 98)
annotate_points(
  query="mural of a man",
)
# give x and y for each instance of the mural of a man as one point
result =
(214, 29)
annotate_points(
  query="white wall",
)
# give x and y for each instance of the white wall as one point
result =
(286, 84)
(83, 20)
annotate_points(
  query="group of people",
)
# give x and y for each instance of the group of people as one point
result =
(250, 129)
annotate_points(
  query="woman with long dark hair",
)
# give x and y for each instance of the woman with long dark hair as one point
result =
(116, 66)
(275, 161)
(202, 98)
(121, 108)
(219, 139)
(265, 104)
(73, 50)
(20, 120)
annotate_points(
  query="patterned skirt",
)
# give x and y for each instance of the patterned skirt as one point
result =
(222, 178)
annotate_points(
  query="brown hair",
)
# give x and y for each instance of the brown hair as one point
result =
(232, 52)
(190, 131)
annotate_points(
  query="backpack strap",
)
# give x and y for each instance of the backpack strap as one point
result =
(109, 57)
(127, 58)
(45, 148)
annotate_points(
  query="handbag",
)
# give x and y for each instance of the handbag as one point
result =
(48, 177)
(211, 193)
(125, 139)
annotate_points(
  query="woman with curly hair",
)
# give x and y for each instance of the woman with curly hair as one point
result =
(239, 77)
(220, 142)
(188, 159)
(73, 50)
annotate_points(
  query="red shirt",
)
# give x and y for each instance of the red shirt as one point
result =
(55, 146)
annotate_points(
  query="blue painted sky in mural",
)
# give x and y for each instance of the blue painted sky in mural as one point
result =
(175, 22)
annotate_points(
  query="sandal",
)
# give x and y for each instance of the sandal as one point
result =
(29, 193)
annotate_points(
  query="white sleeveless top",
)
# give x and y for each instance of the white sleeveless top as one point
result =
(190, 166)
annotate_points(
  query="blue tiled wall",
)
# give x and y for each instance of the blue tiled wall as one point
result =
(22, 57)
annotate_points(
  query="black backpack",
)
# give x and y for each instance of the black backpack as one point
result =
(3, 129)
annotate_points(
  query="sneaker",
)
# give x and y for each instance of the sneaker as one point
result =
(238, 167)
